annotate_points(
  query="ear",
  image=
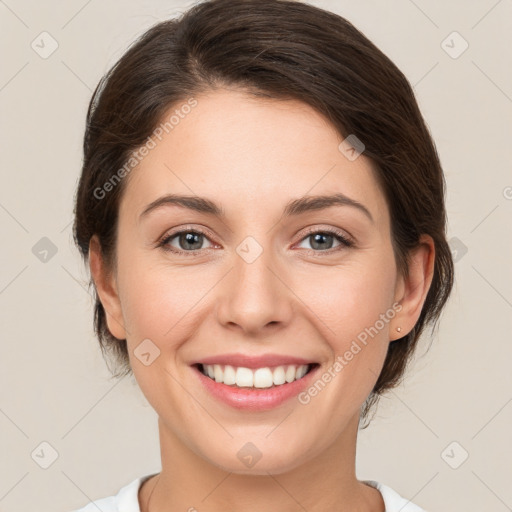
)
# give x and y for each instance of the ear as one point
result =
(411, 292)
(106, 287)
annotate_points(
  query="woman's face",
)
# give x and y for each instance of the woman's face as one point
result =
(254, 282)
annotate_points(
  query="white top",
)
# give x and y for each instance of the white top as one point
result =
(127, 499)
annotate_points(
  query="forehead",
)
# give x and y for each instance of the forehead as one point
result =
(249, 154)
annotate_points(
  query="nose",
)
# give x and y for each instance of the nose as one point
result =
(254, 297)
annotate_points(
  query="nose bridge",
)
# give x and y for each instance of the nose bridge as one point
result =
(254, 295)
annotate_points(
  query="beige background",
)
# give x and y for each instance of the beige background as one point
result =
(54, 385)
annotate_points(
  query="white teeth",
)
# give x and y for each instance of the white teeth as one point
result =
(217, 372)
(279, 376)
(290, 373)
(301, 371)
(263, 378)
(259, 378)
(244, 377)
(229, 375)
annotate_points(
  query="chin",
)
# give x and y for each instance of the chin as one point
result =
(258, 458)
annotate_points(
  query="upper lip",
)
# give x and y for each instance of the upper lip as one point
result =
(249, 361)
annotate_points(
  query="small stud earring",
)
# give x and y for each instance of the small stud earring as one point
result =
(398, 329)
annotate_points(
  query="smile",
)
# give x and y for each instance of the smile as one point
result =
(254, 389)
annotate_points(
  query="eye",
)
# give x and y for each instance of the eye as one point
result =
(322, 240)
(189, 242)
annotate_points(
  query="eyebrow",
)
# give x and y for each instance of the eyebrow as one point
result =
(292, 208)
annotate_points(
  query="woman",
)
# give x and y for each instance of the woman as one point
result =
(221, 153)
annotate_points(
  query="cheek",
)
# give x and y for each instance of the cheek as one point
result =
(354, 309)
(354, 306)
(351, 298)
(161, 303)
(153, 302)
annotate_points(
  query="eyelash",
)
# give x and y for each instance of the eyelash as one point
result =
(338, 235)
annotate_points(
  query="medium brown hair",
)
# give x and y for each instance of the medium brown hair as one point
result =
(278, 49)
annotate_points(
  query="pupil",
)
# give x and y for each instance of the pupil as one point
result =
(191, 238)
(320, 236)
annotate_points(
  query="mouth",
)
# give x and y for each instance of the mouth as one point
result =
(257, 389)
(255, 378)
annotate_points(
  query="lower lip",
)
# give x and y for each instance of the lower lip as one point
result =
(255, 399)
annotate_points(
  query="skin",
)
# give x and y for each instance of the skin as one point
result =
(252, 156)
